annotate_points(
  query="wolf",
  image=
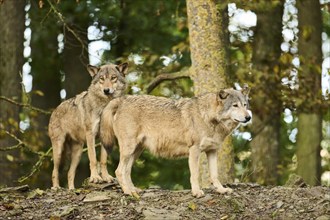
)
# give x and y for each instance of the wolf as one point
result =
(76, 122)
(173, 128)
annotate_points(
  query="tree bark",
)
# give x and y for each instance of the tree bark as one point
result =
(45, 67)
(208, 69)
(266, 121)
(309, 115)
(75, 60)
(12, 19)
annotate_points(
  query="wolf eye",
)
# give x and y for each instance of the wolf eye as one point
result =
(235, 105)
(102, 78)
(113, 78)
(245, 105)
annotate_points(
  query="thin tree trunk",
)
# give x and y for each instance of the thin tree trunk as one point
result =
(309, 116)
(12, 19)
(208, 69)
(266, 122)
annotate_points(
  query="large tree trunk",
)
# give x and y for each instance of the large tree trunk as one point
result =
(12, 19)
(75, 60)
(266, 122)
(208, 68)
(45, 67)
(309, 116)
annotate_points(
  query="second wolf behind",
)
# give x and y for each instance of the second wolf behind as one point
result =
(76, 121)
(173, 128)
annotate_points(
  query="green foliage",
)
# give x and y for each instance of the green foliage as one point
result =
(326, 21)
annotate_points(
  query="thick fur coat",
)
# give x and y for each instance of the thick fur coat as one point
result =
(76, 122)
(173, 128)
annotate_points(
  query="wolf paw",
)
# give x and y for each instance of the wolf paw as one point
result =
(55, 188)
(198, 193)
(107, 178)
(224, 190)
(95, 179)
(135, 195)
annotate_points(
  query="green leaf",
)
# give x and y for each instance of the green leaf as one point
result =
(10, 157)
(192, 206)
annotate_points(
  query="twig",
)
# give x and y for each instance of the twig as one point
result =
(24, 105)
(60, 16)
(20, 144)
(184, 73)
(36, 166)
(42, 157)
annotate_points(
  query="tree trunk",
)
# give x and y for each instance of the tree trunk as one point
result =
(75, 60)
(12, 19)
(266, 121)
(208, 68)
(309, 115)
(45, 67)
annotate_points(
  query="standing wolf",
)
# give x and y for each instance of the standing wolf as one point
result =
(76, 121)
(173, 128)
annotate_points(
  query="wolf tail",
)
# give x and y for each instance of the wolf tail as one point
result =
(107, 135)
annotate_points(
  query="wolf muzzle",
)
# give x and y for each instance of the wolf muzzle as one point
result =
(247, 118)
(108, 91)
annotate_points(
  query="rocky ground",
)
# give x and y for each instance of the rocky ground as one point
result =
(248, 201)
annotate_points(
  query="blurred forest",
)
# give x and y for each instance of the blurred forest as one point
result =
(175, 48)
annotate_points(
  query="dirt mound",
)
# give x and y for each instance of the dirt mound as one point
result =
(248, 201)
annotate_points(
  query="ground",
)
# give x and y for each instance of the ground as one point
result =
(248, 201)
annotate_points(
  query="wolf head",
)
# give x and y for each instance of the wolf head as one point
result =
(235, 104)
(108, 80)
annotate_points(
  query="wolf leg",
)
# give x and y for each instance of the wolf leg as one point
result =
(76, 152)
(128, 168)
(95, 177)
(104, 170)
(58, 147)
(123, 170)
(194, 154)
(120, 174)
(213, 169)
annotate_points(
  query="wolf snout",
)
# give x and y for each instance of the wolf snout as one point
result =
(247, 118)
(108, 91)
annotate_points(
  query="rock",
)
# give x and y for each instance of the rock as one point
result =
(279, 204)
(64, 211)
(206, 198)
(49, 200)
(323, 217)
(96, 197)
(154, 213)
(149, 195)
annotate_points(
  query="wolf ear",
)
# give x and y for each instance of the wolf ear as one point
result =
(223, 94)
(245, 90)
(93, 70)
(122, 68)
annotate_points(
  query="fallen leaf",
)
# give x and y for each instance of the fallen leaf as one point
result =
(192, 206)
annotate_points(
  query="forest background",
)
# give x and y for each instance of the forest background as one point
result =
(175, 48)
